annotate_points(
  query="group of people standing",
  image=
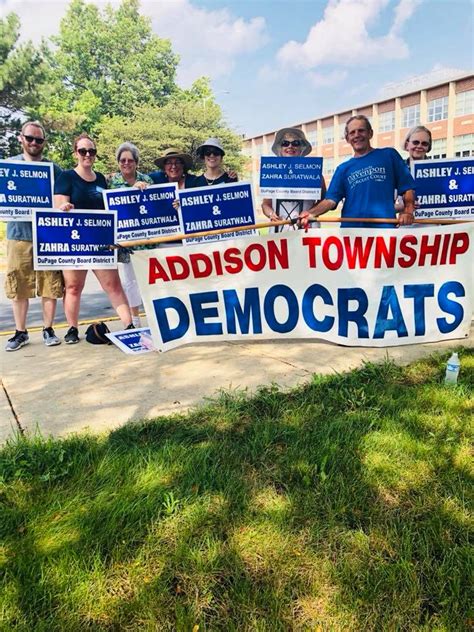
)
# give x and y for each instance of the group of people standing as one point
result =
(81, 188)
(366, 182)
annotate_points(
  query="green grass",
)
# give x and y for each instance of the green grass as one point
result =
(341, 505)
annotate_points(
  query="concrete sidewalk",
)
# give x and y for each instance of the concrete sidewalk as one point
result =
(65, 389)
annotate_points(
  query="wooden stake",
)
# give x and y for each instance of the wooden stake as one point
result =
(236, 229)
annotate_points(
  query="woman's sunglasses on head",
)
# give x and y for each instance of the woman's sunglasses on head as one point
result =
(293, 143)
(83, 151)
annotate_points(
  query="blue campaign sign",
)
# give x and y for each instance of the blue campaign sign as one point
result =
(144, 214)
(295, 178)
(24, 186)
(76, 240)
(132, 341)
(444, 188)
(214, 208)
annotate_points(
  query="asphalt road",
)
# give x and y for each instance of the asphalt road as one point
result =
(94, 305)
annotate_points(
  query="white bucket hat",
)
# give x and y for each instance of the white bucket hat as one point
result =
(210, 142)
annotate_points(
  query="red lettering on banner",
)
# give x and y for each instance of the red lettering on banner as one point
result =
(385, 252)
(358, 252)
(217, 262)
(459, 247)
(280, 254)
(156, 271)
(174, 262)
(406, 248)
(444, 252)
(232, 257)
(261, 261)
(328, 243)
(201, 265)
(312, 242)
(429, 249)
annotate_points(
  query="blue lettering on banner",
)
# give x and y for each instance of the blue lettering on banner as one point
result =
(345, 295)
(250, 311)
(390, 304)
(144, 214)
(25, 186)
(313, 292)
(419, 293)
(450, 307)
(287, 295)
(279, 309)
(224, 206)
(292, 177)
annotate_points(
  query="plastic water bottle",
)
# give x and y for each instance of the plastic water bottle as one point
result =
(452, 369)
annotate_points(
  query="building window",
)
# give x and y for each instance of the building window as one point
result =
(328, 166)
(438, 109)
(438, 148)
(465, 103)
(464, 145)
(387, 121)
(411, 115)
(313, 138)
(328, 135)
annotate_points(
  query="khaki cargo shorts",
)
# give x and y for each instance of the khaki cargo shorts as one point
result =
(22, 281)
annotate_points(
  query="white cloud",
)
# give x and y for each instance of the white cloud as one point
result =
(208, 42)
(324, 80)
(342, 36)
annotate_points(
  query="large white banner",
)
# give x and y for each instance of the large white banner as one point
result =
(355, 287)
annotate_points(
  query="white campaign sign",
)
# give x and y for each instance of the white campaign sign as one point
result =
(350, 286)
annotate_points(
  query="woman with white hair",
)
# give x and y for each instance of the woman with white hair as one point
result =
(128, 156)
(417, 143)
(290, 142)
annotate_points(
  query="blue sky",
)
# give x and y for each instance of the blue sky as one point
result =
(276, 62)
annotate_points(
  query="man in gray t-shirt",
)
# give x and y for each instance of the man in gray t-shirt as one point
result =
(22, 282)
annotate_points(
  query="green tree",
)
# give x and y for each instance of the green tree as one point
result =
(105, 64)
(23, 69)
(188, 118)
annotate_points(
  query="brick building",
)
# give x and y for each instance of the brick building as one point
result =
(445, 107)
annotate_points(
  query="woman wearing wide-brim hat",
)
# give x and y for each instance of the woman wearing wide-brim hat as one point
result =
(289, 142)
(212, 153)
(174, 165)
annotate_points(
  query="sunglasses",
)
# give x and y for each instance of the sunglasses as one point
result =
(33, 139)
(174, 163)
(83, 151)
(125, 161)
(293, 143)
(423, 143)
(212, 152)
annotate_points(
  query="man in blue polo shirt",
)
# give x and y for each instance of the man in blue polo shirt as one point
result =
(22, 282)
(367, 182)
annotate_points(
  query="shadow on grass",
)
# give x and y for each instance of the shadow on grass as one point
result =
(341, 504)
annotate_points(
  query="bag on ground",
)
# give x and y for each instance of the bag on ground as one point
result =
(95, 334)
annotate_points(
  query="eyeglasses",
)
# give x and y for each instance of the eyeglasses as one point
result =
(293, 143)
(423, 143)
(83, 151)
(33, 139)
(173, 163)
(125, 161)
(212, 152)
